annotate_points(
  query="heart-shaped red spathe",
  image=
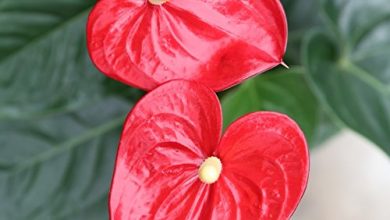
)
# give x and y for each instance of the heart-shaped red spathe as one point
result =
(218, 43)
(174, 128)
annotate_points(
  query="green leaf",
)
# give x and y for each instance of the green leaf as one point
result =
(350, 68)
(302, 15)
(44, 65)
(60, 118)
(57, 166)
(96, 210)
(284, 91)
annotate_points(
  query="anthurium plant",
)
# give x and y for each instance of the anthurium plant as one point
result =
(61, 119)
(172, 162)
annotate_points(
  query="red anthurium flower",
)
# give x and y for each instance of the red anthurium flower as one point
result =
(219, 43)
(173, 164)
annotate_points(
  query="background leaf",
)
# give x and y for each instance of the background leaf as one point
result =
(60, 165)
(302, 15)
(349, 67)
(60, 118)
(44, 65)
(284, 91)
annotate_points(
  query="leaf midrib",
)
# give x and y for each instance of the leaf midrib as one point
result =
(365, 76)
(68, 145)
(348, 64)
(45, 34)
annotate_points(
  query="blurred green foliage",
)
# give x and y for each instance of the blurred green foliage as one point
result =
(349, 68)
(60, 118)
(284, 91)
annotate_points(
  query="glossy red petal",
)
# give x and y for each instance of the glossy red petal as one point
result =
(265, 168)
(218, 43)
(165, 138)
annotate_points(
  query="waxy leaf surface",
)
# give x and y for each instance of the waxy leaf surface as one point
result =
(60, 119)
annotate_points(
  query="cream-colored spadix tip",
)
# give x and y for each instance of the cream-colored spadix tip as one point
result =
(157, 2)
(210, 170)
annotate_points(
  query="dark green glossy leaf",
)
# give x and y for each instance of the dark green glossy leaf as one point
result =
(47, 67)
(283, 91)
(59, 117)
(58, 166)
(350, 68)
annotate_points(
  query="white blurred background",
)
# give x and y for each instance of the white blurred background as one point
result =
(349, 180)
